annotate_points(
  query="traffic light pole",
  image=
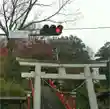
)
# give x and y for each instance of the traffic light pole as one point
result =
(109, 63)
(109, 72)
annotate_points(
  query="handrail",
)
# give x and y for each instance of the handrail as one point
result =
(61, 96)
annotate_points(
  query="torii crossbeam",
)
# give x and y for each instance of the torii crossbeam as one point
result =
(86, 75)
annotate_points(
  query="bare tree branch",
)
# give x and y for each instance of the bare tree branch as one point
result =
(28, 11)
(3, 28)
(15, 26)
(22, 14)
(13, 12)
(70, 14)
(30, 23)
(5, 17)
(22, 3)
(38, 4)
(53, 21)
(65, 21)
(1, 14)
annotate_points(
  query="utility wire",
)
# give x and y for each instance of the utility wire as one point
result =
(87, 28)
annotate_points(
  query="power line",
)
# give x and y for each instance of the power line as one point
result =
(87, 28)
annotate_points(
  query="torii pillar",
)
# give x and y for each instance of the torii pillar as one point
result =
(87, 76)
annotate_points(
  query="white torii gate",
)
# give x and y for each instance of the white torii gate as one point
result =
(87, 75)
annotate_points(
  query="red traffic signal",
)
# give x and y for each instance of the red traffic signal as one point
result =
(52, 30)
(59, 29)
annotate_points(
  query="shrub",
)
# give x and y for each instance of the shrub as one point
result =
(9, 88)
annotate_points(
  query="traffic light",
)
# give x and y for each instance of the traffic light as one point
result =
(52, 30)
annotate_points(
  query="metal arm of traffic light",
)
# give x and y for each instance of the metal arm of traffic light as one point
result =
(46, 30)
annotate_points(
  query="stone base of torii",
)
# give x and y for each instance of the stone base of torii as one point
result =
(86, 75)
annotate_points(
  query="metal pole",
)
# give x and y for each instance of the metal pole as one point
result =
(109, 63)
(90, 89)
(57, 54)
(28, 100)
(37, 91)
(108, 72)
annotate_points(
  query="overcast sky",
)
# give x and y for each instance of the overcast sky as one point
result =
(94, 13)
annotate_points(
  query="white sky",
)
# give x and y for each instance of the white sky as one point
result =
(95, 14)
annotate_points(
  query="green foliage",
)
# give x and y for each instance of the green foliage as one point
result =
(105, 83)
(82, 101)
(9, 88)
(104, 54)
(3, 63)
(70, 49)
(10, 68)
(104, 51)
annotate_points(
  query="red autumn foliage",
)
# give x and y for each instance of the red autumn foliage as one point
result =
(27, 49)
(3, 51)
